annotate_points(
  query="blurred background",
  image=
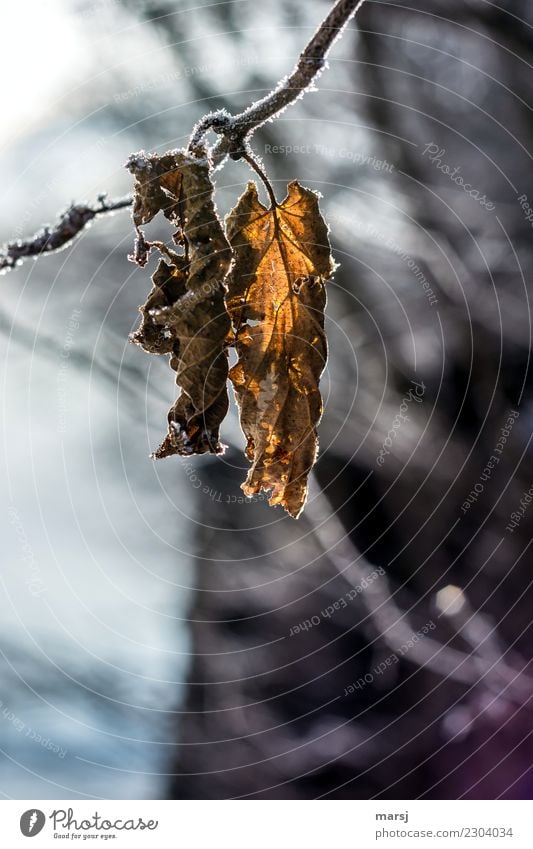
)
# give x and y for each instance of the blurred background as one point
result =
(160, 640)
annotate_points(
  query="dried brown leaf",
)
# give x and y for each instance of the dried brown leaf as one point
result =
(157, 185)
(276, 301)
(185, 314)
(169, 285)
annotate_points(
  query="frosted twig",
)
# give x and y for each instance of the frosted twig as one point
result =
(54, 238)
(236, 130)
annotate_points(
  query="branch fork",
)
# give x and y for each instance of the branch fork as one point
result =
(235, 132)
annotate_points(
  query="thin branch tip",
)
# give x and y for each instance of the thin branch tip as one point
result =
(51, 239)
(234, 131)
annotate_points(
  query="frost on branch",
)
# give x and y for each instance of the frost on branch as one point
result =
(56, 237)
(276, 301)
(185, 313)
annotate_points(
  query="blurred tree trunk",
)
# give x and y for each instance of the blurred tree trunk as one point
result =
(266, 715)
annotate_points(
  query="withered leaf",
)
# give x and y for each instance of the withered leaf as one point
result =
(169, 285)
(276, 301)
(157, 184)
(185, 314)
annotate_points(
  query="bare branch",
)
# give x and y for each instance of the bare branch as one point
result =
(236, 130)
(51, 239)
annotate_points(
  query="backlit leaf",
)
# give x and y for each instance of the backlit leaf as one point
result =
(276, 300)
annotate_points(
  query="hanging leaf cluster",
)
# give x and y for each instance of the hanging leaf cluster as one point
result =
(257, 285)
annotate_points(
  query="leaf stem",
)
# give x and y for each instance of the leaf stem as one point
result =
(253, 163)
